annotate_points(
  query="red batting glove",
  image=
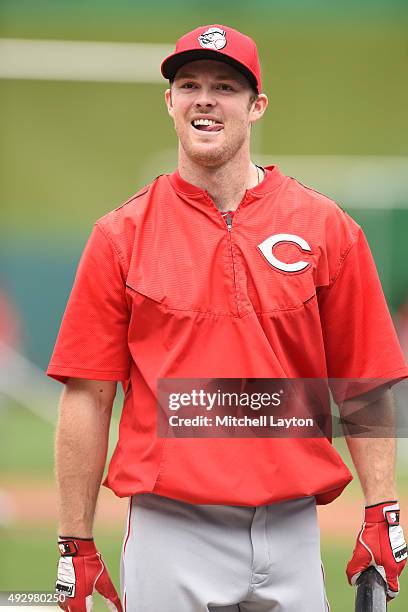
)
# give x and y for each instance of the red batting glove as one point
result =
(380, 543)
(81, 571)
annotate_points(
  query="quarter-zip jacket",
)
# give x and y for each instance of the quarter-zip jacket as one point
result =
(167, 288)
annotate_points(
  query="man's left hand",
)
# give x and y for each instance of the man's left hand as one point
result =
(380, 543)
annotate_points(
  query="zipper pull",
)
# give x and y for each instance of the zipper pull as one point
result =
(228, 220)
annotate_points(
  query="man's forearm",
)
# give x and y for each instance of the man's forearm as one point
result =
(374, 457)
(374, 460)
(81, 449)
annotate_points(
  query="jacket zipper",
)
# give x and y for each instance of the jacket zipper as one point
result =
(228, 221)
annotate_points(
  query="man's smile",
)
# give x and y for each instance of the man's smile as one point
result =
(207, 125)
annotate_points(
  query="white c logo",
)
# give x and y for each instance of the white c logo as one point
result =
(266, 247)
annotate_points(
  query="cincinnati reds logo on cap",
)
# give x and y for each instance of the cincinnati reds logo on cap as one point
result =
(213, 38)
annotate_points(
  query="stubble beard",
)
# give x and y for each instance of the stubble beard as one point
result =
(211, 156)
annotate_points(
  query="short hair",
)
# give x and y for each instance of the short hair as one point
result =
(254, 96)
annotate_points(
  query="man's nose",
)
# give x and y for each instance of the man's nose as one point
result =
(205, 98)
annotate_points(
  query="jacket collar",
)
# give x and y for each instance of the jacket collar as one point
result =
(272, 180)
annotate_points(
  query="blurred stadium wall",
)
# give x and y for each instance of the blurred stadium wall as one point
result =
(72, 149)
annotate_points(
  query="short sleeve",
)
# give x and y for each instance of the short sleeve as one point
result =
(359, 336)
(92, 341)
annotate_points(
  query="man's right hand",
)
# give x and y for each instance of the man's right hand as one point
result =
(81, 572)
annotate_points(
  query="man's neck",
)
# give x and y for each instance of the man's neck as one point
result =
(226, 185)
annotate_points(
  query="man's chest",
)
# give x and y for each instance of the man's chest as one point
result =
(224, 264)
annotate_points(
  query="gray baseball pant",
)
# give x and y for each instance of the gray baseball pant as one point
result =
(180, 557)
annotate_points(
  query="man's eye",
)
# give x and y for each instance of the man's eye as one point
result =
(225, 87)
(187, 86)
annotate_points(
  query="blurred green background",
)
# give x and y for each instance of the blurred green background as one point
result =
(337, 80)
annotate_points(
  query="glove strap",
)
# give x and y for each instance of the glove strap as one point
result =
(387, 511)
(393, 501)
(76, 547)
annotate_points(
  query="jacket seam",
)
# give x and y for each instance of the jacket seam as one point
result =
(386, 374)
(228, 314)
(134, 197)
(342, 259)
(61, 367)
(114, 247)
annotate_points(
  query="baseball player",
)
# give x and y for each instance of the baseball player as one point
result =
(221, 270)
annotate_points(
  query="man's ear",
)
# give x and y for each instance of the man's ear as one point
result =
(169, 101)
(258, 108)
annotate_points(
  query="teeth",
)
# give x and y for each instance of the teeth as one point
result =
(204, 122)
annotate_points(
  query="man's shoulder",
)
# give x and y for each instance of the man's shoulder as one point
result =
(322, 208)
(134, 199)
(311, 197)
(125, 217)
(120, 224)
(321, 218)
(127, 209)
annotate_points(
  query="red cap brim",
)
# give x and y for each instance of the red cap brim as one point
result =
(173, 62)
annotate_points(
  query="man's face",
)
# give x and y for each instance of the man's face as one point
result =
(213, 107)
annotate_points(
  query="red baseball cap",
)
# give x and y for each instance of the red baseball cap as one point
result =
(220, 43)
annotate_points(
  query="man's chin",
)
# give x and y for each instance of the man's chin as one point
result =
(207, 155)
